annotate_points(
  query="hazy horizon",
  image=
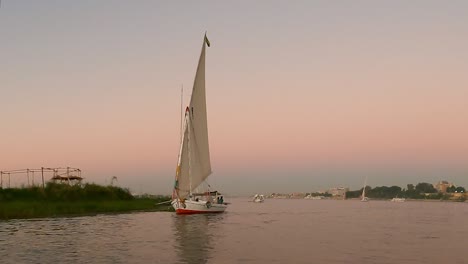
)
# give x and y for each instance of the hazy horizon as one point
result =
(301, 96)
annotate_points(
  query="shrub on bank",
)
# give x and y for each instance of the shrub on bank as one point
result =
(67, 193)
(63, 199)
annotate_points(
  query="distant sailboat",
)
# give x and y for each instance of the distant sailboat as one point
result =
(363, 196)
(191, 193)
(259, 198)
(398, 200)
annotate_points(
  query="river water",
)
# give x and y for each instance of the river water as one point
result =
(276, 231)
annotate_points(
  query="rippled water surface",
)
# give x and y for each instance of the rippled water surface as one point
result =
(277, 231)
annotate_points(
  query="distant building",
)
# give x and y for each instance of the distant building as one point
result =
(338, 192)
(442, 186)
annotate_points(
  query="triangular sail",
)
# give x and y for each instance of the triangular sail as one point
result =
(194, 164)
(364, 189)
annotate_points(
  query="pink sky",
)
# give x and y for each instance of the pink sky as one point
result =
(297, 88)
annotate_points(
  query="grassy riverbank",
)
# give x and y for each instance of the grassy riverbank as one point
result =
(64, 200)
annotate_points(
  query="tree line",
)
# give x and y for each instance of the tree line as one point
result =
(422, 190)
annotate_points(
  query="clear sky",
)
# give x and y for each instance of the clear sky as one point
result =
(302, 95)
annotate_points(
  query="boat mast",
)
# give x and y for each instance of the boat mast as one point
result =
(175, 193)
(181, 111)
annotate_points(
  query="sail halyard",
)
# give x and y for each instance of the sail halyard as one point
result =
(194, 158)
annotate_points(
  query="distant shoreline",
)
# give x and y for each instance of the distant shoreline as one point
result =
(412, 200)
(371, 199)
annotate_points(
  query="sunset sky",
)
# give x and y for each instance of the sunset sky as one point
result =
(302, 95)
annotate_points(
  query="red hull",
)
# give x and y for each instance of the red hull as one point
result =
(186, 211)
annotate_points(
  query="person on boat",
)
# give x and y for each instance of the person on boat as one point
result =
(221, 200)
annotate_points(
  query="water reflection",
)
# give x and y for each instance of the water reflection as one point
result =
(65, 240)
(194, 235)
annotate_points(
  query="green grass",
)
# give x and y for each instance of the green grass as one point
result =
(64, 200)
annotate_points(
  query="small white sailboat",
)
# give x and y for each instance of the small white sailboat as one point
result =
(191, 193)
(259, 198)
(317, 197)
(320, 197)
(398, 200)
(363, 196)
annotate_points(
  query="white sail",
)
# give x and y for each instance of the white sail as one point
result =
(363, 197)
(194, 164)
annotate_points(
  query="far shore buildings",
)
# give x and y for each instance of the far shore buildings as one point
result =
(338, 192)
(442, 186)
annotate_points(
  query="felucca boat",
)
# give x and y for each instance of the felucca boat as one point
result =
(192, 194)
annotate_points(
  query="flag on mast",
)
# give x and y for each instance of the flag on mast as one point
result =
(207, 41)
